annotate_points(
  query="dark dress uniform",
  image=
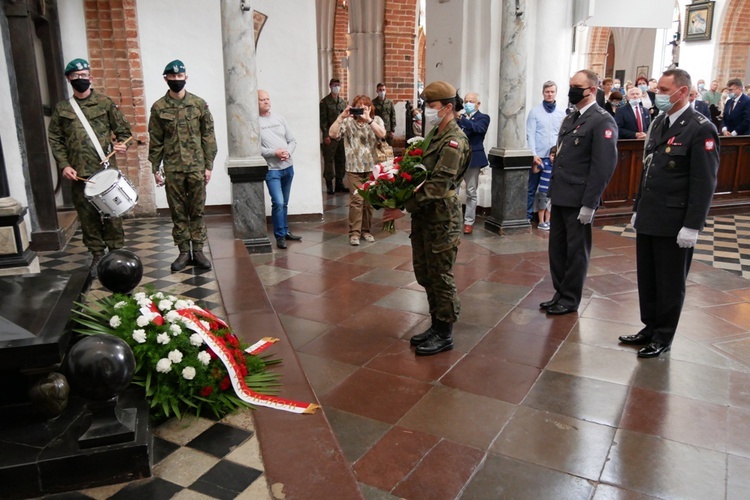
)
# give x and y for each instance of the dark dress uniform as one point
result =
(334, 156)
(676, 189)
(585, 161)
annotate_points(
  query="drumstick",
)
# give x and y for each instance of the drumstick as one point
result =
(84, 180)
(112, 153)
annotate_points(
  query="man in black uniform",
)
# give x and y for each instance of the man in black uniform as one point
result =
(586, 159)
(681, 159)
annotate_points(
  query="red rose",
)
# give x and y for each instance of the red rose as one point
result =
(406, 176)
(213, 326)
(398, 159)
(212, 354)
(231, 340)
(206, 391)
(225, 383)
(372, 176)
(415, 152)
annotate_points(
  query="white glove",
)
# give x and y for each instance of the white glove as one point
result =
(687, 237)
(586, 215)
(632, 220)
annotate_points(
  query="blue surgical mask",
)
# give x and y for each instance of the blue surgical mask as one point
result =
(469, 107)
(662, 101)
(634, 102)
(643, 88)
(701, 86)
(730, 95)
(417, 117)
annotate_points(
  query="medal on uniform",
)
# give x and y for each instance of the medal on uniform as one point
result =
(576, 141)
(668, 149)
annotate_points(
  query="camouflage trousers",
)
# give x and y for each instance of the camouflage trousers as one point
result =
(186, 196)
(435, 236)
(334, 161)
(99, 233)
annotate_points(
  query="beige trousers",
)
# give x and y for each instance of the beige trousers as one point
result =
(360, 212)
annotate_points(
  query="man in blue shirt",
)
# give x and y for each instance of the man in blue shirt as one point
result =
(542, 127)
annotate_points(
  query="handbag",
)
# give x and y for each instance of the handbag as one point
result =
(383, 151)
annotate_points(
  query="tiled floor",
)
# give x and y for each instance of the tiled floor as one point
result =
(526, 406)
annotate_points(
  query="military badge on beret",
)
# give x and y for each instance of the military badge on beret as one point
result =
(174, 68)
(76, 65)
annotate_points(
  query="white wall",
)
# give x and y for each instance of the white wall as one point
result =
(9, 137)
(699, 58)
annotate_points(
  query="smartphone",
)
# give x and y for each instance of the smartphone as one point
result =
(356, 111)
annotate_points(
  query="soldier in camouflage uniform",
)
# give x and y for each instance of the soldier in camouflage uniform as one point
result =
(181, 139)
(331, 106)
(436, 217)
(77, 157)
(385, 110)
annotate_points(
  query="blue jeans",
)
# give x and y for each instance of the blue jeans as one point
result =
(279, 184)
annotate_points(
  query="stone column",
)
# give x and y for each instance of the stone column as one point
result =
(511, 160)
(246, 167)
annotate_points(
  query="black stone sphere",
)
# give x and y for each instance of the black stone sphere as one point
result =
(100, 367)
(120, 271)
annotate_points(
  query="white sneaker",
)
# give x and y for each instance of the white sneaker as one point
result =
(354, 241)
(368, 237)
(544, 226)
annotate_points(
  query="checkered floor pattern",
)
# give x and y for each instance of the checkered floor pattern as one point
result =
(724, 243)
(193, 457)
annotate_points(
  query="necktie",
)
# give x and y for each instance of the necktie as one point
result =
(638, 118)
(733, 105)
(576, 115)
(665, 130)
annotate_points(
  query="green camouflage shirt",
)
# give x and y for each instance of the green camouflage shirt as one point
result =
(385, 110)
(181, 135)
(69, 142)
(330, 109)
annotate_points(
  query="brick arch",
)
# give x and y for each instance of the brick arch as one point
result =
(597, 50)
(734, 42)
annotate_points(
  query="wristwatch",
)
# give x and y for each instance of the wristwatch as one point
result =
(370, 122)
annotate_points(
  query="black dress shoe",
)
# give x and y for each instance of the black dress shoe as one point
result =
(559, 309)
(653, 350)
(293, 237)
(548, 304)
(281, 243)
(637, 339)
(181, 261)
(434, 345)
(329, 187)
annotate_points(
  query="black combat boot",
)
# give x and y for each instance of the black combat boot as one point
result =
(329, 187)
(181, 261)
(93, 270)
(200, 260)
(421, 337)
(340, 188)
(440, 341)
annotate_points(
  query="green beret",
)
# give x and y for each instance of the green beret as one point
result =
(76, 65)
(174, 68)
(438, 91)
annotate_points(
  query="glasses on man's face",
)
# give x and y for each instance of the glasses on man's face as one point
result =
(79, 76)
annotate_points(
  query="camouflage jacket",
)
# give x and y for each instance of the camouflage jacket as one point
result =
(69, 142)
(385, 110)
(330, 109)
(181, 135)
(446, 158)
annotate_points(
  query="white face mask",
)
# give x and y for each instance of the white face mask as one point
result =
(381, 94)
(432, 116)
(335, 89)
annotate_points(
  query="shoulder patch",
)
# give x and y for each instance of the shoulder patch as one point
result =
(453, 144)
(709, 145)
(608, 133)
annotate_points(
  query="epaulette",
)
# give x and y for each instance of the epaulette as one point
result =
(700, 118)
(603, 111)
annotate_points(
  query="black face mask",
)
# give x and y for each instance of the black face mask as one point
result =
(575, 95)
(176, 86)
(80, 85)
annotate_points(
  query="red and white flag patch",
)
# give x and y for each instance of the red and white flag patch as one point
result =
(453, 144)
(608, 133)
(710, 145)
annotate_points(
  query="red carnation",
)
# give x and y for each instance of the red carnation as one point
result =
(398, 159)
(225, 383)
(213, 326)
(206, 391)
(231, 340)
(415, 152)
(212, 353)
(406, 176)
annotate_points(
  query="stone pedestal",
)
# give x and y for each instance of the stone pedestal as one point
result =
(248, 205)
(15, 255)
(510, 177)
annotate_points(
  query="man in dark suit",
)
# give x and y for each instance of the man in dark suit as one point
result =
(736, 110)
(586, 158)
(633, 119)
(474, 123)
(681, 159)
(698, 105)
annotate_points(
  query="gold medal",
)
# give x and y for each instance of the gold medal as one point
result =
(668, 149)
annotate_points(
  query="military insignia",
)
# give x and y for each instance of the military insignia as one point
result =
(668, 150)
(453, 144)
(608, 133)
(79, 66)
(176, 68)
(670, 141)
(682, 122)
(576, 141)
(710, 145)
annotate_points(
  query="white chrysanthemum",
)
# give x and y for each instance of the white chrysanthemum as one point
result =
(142, 321)
(188, 373)
(157, 295)
(139, 296)
(181, 304)
(414, 139)
(139, 336)
(172, 316)
(115, 321)
(120, 304)
(175, 329)
(172, 298)
(204, 357)
(164, 365)
(165, 305)
(190, 303)
(196, 340)
(175, 356)
(163, 338)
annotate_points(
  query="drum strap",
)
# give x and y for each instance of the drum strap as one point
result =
(88, 128)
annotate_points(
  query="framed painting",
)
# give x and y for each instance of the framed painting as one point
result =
(699, 19)
(641, 71)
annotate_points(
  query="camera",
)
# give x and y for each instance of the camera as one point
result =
(356, 111)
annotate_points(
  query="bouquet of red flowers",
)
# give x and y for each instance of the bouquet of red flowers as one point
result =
(392, 183)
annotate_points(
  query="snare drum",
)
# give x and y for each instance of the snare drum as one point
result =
(111, 193)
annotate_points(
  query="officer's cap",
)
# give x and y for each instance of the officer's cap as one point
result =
(438, 91)
(174, 68)
(334, 80)
(77, 65)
